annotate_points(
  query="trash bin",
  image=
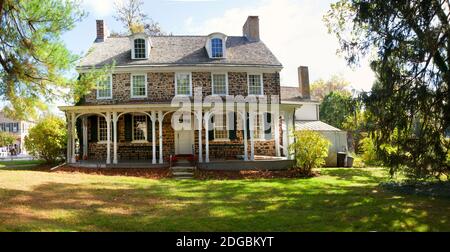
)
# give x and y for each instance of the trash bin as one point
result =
(350, 161)
(341, 159)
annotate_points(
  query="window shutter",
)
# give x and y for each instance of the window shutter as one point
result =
(94, 128)
(149, 129)
(248, 126)
(80, 135)
(128, 128)
(233, 121)
(211, 130)
(268, 126)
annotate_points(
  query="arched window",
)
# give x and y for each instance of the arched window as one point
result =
(139, 49)
(216, 48)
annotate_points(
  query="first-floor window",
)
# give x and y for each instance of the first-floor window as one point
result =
(102, 129)
(255, 84)
(220, 128)
(139, 128)
(139, 86)
(104, 88)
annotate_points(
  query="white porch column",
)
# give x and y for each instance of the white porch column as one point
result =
(200, 127)
(115, 119)
(73, 130)
(207, 118)
(69, 140)
(276, 124)
(252, 131)
(160, 120)
(285, 136)
(153, 138)
(85, 137)
(108, 137)
(287, 140)
(244, 122)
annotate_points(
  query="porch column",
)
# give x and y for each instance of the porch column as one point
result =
(288, 118)
(207, 117)
(276, 124)
(200, 127)
(160, 120)
(85, 137)
(244, 122)
(252, 131)
(73, 130)
(108, 137)
(69, 140)
(285, 136)
(153, 138)
(115, 119)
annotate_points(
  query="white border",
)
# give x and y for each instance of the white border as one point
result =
(111, 88)
(132, 85)
(248, 83)
(226, 83)
(133, 129)
(176, 83)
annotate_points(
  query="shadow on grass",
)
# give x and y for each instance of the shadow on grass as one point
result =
(267, 205)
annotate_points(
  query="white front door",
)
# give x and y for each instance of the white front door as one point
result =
(184, 141)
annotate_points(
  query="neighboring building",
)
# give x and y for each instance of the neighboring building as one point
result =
(307, 116)
(19, 129)
(128, 116)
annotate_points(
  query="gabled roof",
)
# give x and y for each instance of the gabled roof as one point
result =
(314, 126)
(180, 50)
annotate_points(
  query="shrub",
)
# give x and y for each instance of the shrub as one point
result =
(311, 149)
(369, 155)
(47, 140)
(6, 138)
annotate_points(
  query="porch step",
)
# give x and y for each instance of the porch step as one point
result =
(183, 172)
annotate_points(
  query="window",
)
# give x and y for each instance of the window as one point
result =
(139, 128)
(216, 48)
(102, 129)
(183, 83)
(138, 86)
(139, 49)
(2, 127)
(104, 88)
(219, 84)
(220, 128)
(255, 84)
(15, 127)
(259, 127)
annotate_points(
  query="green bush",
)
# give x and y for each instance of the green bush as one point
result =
(47, 140)
(311, 149)
(6, 138)
(369, 155)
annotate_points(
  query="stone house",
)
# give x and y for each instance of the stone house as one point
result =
(131, 113)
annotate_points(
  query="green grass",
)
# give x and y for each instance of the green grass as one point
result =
(18, 163)
(338, 200)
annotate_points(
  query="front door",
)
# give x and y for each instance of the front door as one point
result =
(185, 139)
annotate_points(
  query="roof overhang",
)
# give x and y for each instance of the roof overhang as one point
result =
(185, 67)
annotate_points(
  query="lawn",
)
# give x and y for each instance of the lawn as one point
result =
(338, 200)
(19, 163)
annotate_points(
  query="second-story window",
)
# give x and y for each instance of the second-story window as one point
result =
(138, 86)
(104, 88)
(183, 84)
(255, 84)
(219, 84)
(216, 48)
(139, 49)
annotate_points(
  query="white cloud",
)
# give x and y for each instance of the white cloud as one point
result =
(100, 8)
(296, 34)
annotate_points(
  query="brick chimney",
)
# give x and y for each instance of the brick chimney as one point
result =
(303, 82)
(102, 31)
(251, 28)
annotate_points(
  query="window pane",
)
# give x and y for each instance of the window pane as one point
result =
(183, 85)
(216, 48)
(139, 48)
(140, 127)
(104, 88)
(102, 129)
(139, 85)
(254, 85)
(220, 127)
(219, 84)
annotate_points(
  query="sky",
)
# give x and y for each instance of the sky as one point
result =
(292, 29)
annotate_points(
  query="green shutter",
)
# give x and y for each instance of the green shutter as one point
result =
(233, 121)
(211, 130)
(149, 129)
(128, 127)
(94, 128)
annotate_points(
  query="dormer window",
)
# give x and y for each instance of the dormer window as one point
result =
(140, 46)
(216, 45)
(216, 48)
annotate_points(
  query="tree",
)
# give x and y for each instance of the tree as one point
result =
(130, 14)
(321, 88)
(409, 104)
(6, 138)
(47, 139)
(311, 149)
(336, 107)
(34, 62)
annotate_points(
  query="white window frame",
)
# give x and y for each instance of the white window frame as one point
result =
(134, 129)
(223, 47)
(226, 83)
(190, 84)
(259, 133)
(98, 131)
(133, 53)
(132, 85)
(225, 125)
(248, 83)
(111, 88)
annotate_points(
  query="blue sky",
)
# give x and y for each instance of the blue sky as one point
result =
(292, 29)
